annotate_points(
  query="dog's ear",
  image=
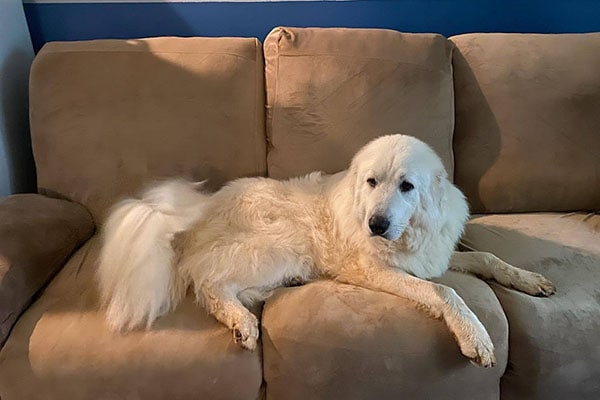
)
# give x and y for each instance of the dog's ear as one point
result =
(428, 214)
(439, 186)
(353, 180)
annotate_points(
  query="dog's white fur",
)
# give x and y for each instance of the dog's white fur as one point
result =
(255, 234)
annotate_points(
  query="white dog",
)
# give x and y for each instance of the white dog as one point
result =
(388, 223)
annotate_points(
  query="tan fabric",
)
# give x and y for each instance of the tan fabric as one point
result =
(331, 341)
(527, 121)
(61, 349)
(330, 91)
(37, 235)
(109, 116)
(554, 342)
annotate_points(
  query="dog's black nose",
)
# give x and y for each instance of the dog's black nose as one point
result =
(378, 225)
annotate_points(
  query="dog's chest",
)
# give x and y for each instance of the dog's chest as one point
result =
(424, 264)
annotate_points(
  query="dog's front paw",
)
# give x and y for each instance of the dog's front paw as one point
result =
(245, 333)
(474, 341)
(534, 284)
(478, 348)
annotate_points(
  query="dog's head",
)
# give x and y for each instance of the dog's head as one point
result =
(397, 181)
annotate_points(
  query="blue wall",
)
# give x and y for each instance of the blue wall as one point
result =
(84, 20)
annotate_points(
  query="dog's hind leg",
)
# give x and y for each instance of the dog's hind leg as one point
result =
(488, 266)
(221, 302)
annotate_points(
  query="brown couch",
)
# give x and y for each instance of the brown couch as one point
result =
(516, 119)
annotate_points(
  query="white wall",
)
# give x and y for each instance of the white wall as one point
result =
(16, 162)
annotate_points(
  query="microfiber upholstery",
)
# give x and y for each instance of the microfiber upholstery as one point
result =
(61, 348)
(554, 342)
(527, 121)
(515, 119)
(330, 91)
(110, 116)
(326, 340)
(37, 236)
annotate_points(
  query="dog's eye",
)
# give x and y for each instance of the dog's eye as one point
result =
(372, 182)
(406, 186)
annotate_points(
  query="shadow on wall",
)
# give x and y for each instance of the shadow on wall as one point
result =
(93, 20)
(89, 21)
(14, 122)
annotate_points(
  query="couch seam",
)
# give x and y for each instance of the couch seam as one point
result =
(49, 52)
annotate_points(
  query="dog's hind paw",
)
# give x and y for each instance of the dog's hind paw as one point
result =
(296, 281)
(245, 333)
(534, 284)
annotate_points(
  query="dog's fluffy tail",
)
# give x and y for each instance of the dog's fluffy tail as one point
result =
(137, 277)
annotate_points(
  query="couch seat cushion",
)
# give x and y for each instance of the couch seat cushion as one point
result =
(554, 342)
(61, 349)
(330, 91)
(327, 340)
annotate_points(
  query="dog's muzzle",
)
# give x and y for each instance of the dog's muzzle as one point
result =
(379, 225)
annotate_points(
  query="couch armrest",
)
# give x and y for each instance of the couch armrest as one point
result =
(37, 236)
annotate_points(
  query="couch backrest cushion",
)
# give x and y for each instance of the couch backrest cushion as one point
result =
(330, 91)
(527, 134)
(110, 116)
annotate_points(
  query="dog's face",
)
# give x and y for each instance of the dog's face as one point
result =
(396, 176)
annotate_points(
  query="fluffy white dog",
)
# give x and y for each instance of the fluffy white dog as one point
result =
(388, 223)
